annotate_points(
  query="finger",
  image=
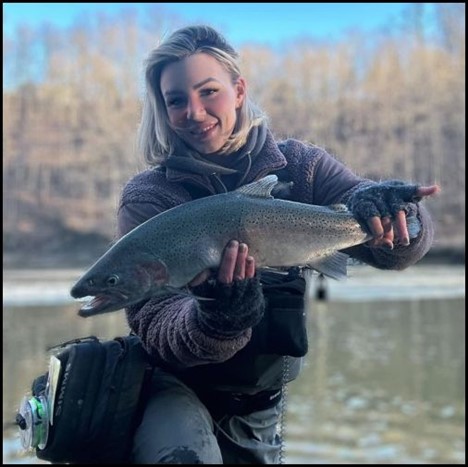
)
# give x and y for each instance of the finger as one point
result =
(382, 231)
(228, 262)
(239, 270)
(249, 267)
(200, 278)
(401, 228)
(428, 190)
(376, 227)
(388, 236)
(413, 193)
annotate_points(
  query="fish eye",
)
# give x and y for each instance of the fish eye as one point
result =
(112, 280)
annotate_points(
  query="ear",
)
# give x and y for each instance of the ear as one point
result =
(241, 89)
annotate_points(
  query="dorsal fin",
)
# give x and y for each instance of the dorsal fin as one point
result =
(261, 188)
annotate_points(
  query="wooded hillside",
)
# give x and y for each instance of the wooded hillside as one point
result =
(390, 106)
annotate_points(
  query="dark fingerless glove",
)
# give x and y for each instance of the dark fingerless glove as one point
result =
(382, 199)
(235, 308)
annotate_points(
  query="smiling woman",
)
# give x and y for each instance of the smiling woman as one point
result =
(202, 111)
(198, 101)
(223, 355)
(228, 359)
(226, 353)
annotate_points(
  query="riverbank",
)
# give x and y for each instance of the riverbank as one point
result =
(50, 287)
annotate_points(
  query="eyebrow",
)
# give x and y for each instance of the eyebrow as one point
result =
(195, 86)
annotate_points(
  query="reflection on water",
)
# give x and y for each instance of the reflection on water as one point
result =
(384, 382)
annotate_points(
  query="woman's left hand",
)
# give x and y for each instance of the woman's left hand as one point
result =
(383, 209)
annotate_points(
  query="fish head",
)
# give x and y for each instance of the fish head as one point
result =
(113, 287)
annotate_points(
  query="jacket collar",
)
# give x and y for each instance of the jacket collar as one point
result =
(267, 160)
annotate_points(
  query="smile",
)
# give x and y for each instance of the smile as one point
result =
(203, 131)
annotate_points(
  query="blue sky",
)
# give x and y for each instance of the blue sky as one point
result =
(241, 22)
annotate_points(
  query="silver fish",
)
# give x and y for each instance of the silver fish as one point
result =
(169, 250)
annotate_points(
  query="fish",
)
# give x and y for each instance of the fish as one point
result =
(168, 251)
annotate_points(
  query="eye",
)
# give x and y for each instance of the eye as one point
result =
(112, 280)
(175, 102)
(208, 92)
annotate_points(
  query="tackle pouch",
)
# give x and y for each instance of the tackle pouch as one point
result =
(283, 329)
(85, 409)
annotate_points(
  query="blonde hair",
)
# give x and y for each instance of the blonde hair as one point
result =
(156, 139)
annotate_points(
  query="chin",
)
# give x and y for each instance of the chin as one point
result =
(208, 149)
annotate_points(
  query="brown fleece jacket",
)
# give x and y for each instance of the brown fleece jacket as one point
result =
(170, 326)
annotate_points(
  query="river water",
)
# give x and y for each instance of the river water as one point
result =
(383, 382)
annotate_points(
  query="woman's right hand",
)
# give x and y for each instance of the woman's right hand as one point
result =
(235, 265)
(238, 297)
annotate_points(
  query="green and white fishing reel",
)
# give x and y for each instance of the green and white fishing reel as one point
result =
(35, 415)
(33, 422)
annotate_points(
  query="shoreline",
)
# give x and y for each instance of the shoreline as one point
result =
(37, 287)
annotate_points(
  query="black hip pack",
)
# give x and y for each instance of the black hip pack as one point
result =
(85, 409)
(283, 330)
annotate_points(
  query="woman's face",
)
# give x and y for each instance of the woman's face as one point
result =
(201, 101)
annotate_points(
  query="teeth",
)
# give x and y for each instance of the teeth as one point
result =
(204, 130)
(85, 299)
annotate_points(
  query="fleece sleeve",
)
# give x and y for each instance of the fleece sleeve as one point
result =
(334, 183)
(171, 333)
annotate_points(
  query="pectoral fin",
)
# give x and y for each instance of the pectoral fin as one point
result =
(333, 265)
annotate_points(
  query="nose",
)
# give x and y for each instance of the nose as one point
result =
(195, 110)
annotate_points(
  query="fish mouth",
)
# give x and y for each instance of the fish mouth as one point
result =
(102, 303)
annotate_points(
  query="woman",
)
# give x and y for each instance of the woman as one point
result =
(221, 364)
